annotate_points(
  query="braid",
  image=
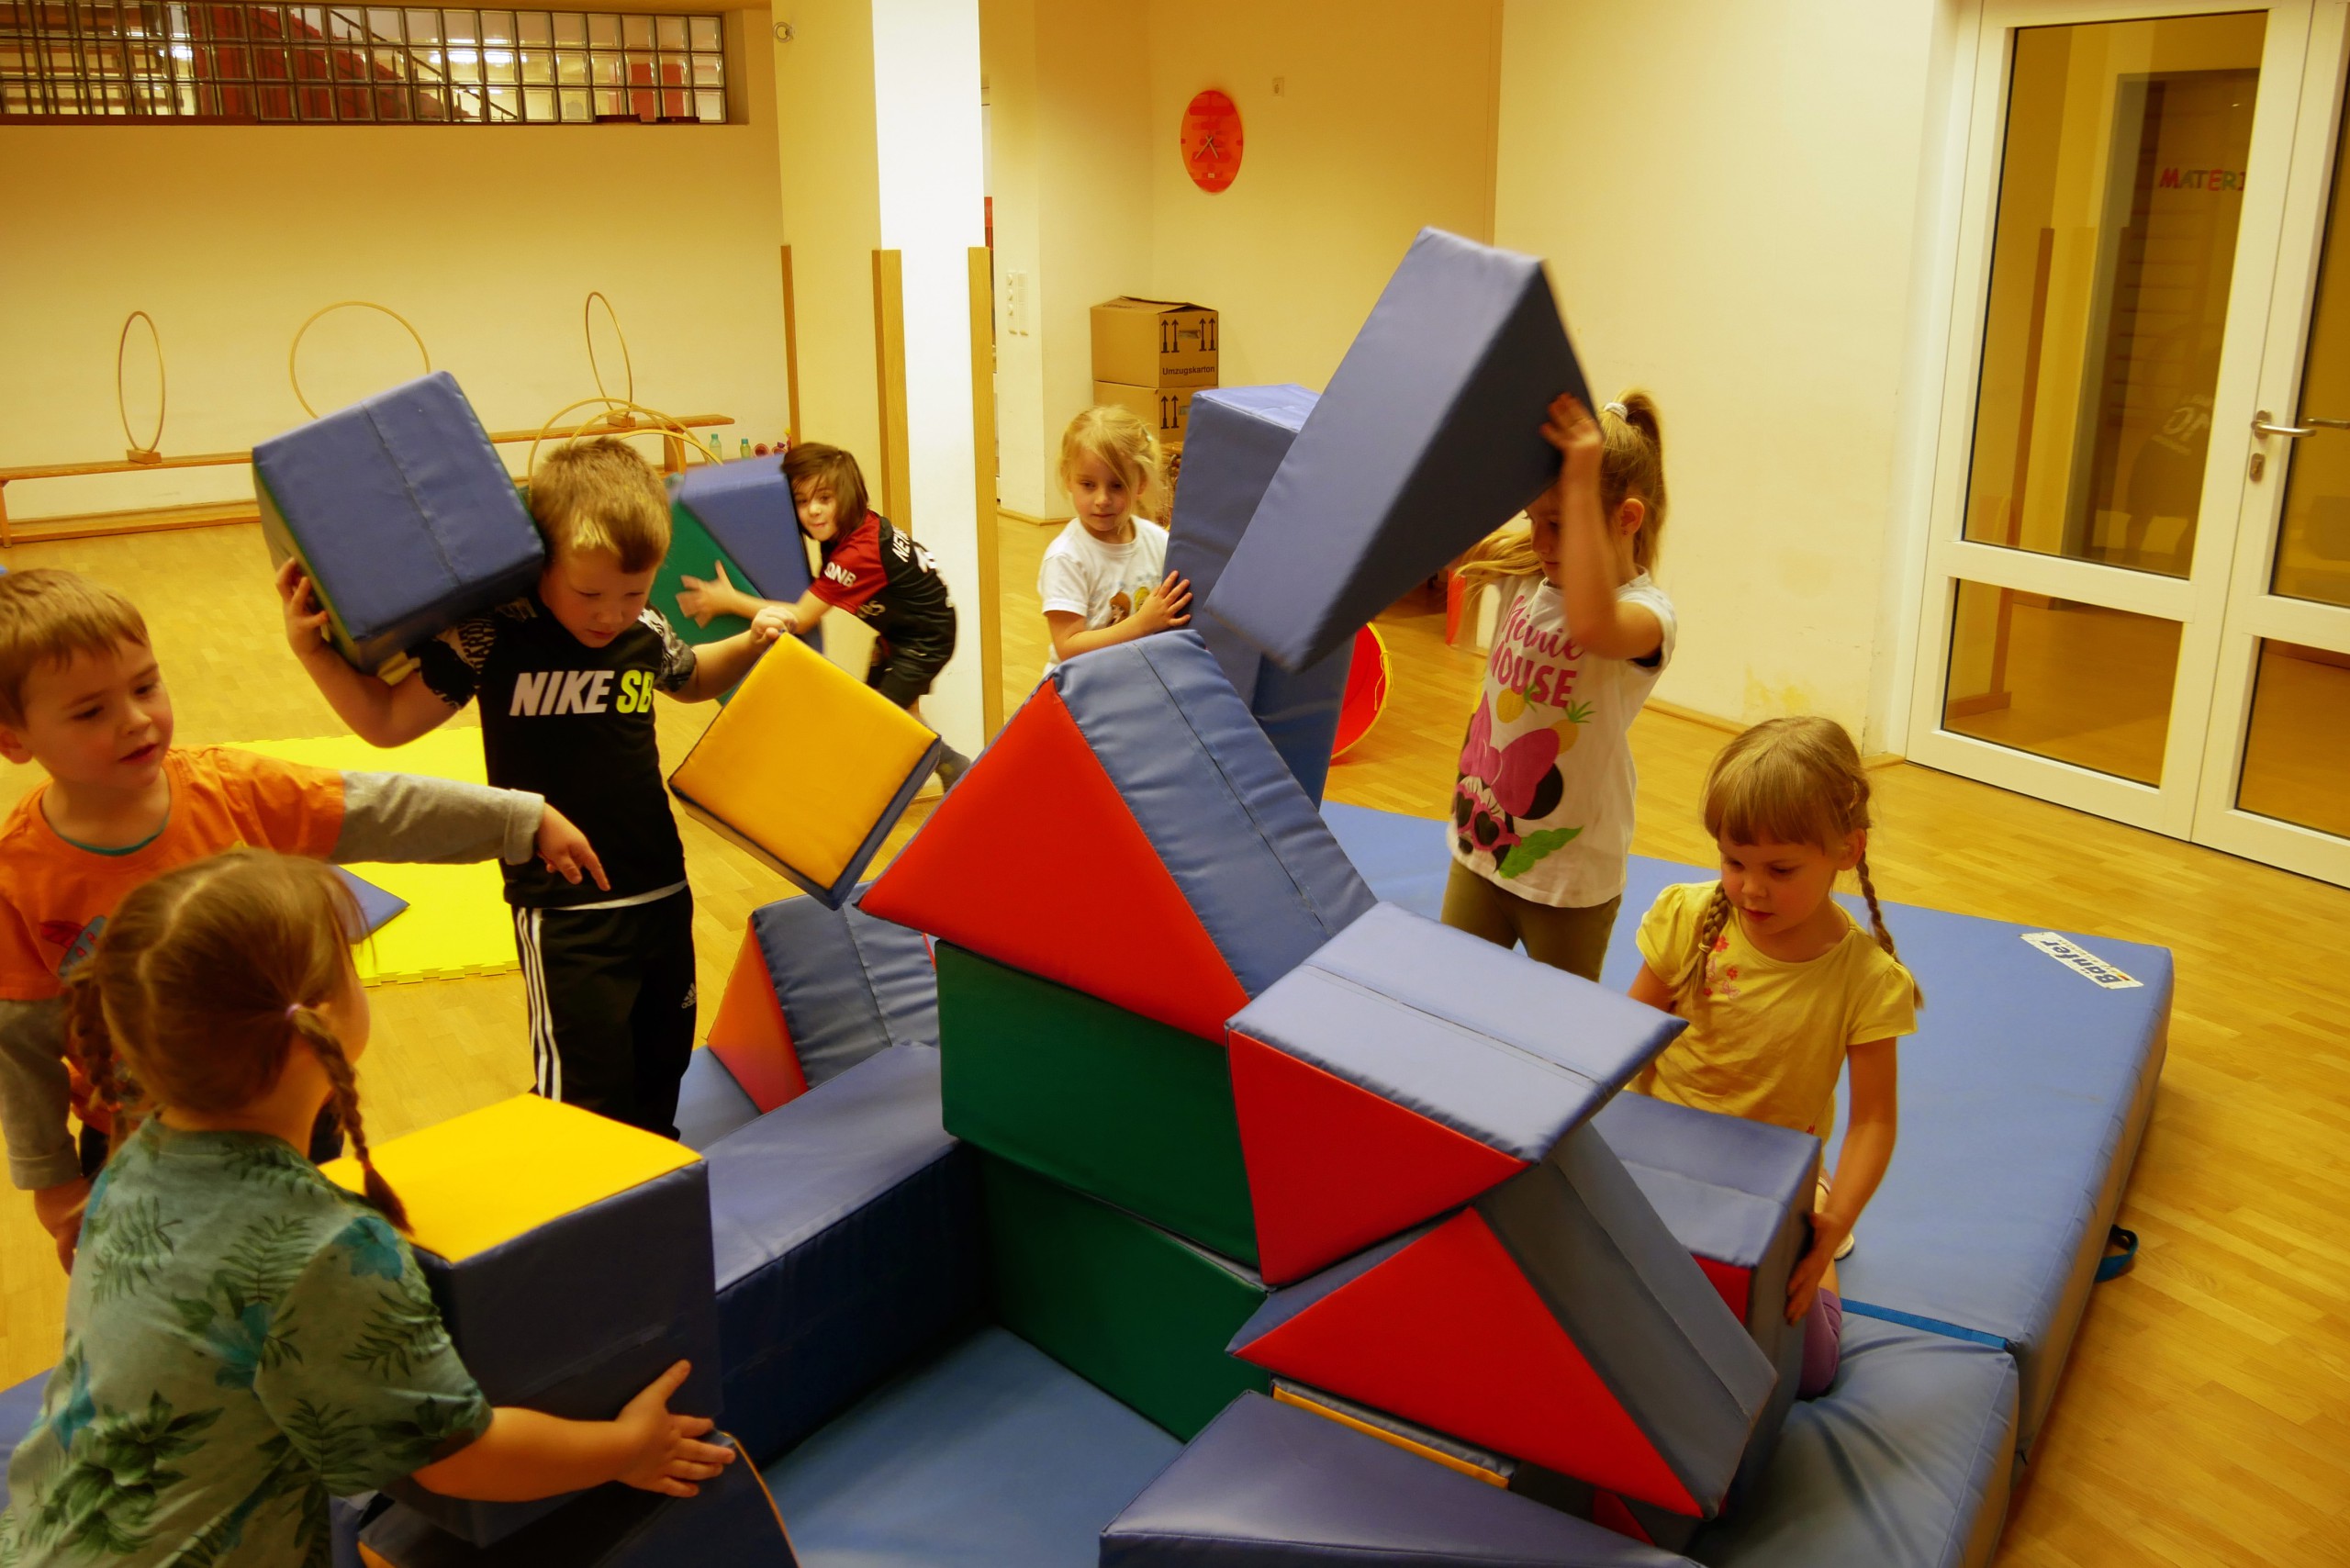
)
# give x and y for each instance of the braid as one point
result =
(90, 1043)
(1709, 929)
(1884, 933)
(313, 1030)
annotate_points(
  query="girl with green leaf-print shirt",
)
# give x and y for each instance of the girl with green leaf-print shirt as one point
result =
(244, 1339)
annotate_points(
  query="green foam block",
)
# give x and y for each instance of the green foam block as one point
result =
(1139, 1312)
(694, 553)
(1119, 1106)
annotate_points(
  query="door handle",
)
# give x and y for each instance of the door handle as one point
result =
(2262, 427)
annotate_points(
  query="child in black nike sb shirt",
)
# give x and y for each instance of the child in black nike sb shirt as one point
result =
(566, 677)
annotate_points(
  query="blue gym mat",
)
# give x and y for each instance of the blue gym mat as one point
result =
(2023, 1096)
(992, 1456)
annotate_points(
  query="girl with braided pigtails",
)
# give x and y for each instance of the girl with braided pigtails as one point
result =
(1781, 990)
(244, 1338)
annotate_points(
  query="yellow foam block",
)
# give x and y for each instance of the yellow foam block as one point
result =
(483, 1178)
(457, 922)
(806, 768)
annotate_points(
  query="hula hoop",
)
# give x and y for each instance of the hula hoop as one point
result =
(587, 326)
(147, 453)
(1366, 692)
(295, 350)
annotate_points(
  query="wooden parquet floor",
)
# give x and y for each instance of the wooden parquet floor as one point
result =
(2205, 1416)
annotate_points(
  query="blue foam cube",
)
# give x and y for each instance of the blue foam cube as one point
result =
(402, 514)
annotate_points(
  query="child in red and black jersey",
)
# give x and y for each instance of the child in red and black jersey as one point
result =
(871, 568)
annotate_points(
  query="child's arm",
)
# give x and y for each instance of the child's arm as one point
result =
(1868, 1149)
(1654, 988)
(718, 665)
(704, 601)
(526, 1455)
(1602, 623)
(792, 620)
(1166, 606)
(407, 817)
(379, 714)
(33, 1104)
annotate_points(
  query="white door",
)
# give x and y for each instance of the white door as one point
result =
(2108, 606)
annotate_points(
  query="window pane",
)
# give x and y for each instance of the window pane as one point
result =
(570, 28)
(460, 26)
(391, 102)
(637, 31)
(497, 26)
(537, 105)
(537, 65)
(569, 67)
(423, 26)
(710, 107)
(2077, 682)
(574, 105)
(709, 70)
(2120, 191)
(2296, 750)
(608, 70)
(705, 32)
(603, 30)
(499, 66)
(612, 103)
(505, 104)
(669, 32)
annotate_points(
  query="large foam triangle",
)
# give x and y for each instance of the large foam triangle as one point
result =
(1448, 1333)
(1034, 860)
(1334, 1167)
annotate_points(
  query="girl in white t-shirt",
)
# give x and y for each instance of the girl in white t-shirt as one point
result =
(1105, 579)
(1542, 813)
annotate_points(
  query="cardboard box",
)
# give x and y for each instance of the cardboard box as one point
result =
(1166, 410)
(1155, 342)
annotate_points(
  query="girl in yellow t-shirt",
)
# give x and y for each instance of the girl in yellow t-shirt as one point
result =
(1781, 988)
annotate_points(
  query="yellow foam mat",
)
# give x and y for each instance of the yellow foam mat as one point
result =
(485, 1177)
(456, 923)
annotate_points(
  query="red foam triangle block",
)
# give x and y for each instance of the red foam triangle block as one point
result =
(1448, 1333)
(1334, 1167)
(1036, 861)
(750, 1035)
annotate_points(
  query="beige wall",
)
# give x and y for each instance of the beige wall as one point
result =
(1384, 123)
(488, 239)
(1729, 198)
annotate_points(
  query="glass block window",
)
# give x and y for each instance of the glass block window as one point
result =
(345, 64)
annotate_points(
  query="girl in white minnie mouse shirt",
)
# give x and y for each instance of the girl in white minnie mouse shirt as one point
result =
(1542, 811)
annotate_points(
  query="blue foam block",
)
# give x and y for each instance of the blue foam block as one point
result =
(746, 506)
(849, 984)
(1904, 1462)
(376, 906)
(1738, 1194)
(401, 512)
(729, 1522)
(1470, 1035)
(847, 1232)
(709, 1103)
(545, 1320)
(1427, 439)
(993, 1456)
(1237, 437)
(2024, 1094)
(1232, 825)
(1269, 1486)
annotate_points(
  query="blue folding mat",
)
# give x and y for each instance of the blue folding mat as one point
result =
(846, 1227)
(1427, 439)
(2024, 1094)
(849, 984)
(1237, 438)
(401, 512)
(747, 509)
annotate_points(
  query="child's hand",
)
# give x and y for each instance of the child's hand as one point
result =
(59, 1209)
(565, 850)
(1828, 1234)
(1573, 431)
(703, 599)
(772, 621)
(1167, 605)
(306, 618)
(663, 1456)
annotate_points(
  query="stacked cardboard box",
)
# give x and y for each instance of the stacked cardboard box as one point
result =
(1150, 355)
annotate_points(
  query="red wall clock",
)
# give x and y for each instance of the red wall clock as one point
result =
(1210, 141)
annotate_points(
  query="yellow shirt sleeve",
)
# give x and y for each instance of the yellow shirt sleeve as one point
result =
(1887, 1004)
(1668, 935)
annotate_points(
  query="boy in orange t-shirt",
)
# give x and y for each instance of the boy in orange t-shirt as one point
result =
(81, 695)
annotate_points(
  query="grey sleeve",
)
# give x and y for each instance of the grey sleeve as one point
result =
(33, 1100)
(404, 816)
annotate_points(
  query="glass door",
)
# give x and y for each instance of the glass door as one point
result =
(2126, 191)
(2276, 765)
